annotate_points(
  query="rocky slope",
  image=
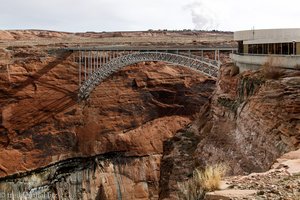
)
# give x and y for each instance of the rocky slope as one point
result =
(280, 182)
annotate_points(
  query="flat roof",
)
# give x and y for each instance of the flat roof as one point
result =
(263, 36)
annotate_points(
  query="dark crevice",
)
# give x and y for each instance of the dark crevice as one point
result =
(75, 164)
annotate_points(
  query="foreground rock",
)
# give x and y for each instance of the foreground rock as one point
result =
(281, 182)
(230, 194)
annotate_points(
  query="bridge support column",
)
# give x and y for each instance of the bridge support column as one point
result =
(215, 55)
(97, 59)
(93, 61)
(101, 58)
(102, 55)
(90, 64)
(85, 65)
(218, 58)
(79, 68)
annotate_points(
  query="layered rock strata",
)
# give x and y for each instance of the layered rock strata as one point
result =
(108, 147)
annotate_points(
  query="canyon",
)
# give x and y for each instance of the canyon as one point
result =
(143, 130)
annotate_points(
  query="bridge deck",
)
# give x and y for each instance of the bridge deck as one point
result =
(150, 48)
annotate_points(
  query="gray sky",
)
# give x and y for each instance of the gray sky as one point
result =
(124, 15)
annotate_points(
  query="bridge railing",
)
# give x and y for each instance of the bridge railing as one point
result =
(214, 62)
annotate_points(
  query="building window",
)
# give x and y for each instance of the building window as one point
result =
(240, 47)
(271, 49)
(265, 48)
(254, 48)
(277, 48)
(259, 49)
(250, 49)
(291, 48)
(285, 48)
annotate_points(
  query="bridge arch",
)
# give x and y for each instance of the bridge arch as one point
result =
(202, 66)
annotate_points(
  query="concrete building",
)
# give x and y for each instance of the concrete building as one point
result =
(278, 47)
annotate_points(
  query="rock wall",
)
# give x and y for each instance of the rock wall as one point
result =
(250, 122)
(259, 117)
(109, 176)
(141, 132)
(108, 147)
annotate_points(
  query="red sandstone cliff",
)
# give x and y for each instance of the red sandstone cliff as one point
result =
(250, 122)
(141, 132)
(123, 124)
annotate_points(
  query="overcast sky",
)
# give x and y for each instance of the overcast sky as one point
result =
(125, 15)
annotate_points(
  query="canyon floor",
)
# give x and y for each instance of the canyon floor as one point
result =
(144, 129)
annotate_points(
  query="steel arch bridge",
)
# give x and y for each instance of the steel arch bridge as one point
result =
(116, 64)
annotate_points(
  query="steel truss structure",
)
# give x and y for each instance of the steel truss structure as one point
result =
(96, 66)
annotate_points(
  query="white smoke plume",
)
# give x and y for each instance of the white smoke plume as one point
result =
(202, 16)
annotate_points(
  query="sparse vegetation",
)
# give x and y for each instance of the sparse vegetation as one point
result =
(269, 71)
(202, 181)
(248, 86)
(297, 67)
(229, 103)
(234, 70)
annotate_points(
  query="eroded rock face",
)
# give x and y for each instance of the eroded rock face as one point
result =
(257, 117)
(141, 132)
(250, 122)
(109, 176)
(129, 115)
